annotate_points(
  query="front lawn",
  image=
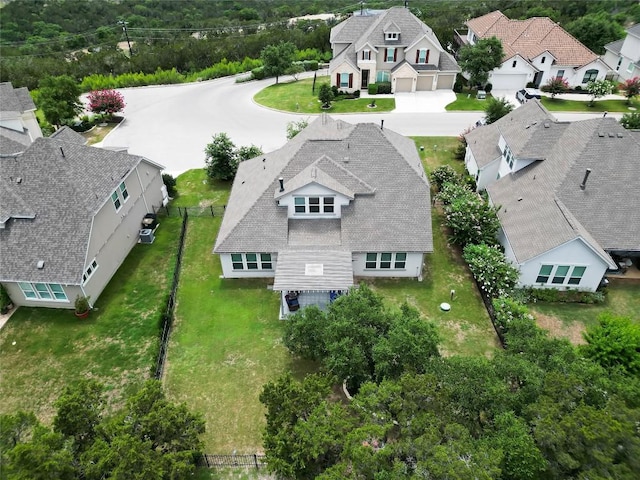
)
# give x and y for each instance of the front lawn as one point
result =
(42, 350)
(559, 104)
(298, 97)
(467, 101)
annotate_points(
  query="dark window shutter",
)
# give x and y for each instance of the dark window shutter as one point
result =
(395, 54)
(338, 80)
(417, 55)
(350, 80)
(386, 54)
(427, 59)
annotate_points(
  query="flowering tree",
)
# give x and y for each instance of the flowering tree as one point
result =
(631, 88)
(556, 85)
(106, 102)
(600, 88)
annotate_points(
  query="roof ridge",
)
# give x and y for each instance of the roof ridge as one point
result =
(345, 170)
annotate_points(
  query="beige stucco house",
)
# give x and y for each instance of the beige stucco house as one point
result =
(391, 46)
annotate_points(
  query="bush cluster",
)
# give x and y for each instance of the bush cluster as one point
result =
(529, 295)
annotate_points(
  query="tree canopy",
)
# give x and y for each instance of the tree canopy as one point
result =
(59, 99)
(222, 157)
(595, 30)
(479, 59)
(149, 438)
(277, 59)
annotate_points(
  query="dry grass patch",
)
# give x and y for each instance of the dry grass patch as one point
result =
(572, 331)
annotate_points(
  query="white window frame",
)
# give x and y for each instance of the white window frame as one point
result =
(344, 80)
(120, 196)
(591, 78)
(570, 276)
(422, 56)
(252, 262)
(383, 74)
(560, 74)
(366, 54)
(630, 67)
(392, 35)
(385, 261)
(325, 205)
(391, 53)
(89, 271)
(48, 292)
(509, 157)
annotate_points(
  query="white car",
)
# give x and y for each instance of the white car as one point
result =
(527, 94)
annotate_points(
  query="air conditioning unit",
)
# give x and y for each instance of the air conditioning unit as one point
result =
(146, 235)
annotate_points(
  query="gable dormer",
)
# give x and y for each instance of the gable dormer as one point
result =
(391, 32)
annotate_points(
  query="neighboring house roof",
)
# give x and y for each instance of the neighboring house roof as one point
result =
(69, 135)
(359, 31)
(380, 168)
(615, 47)
(15, 99)
(13, 142)
(634, 30)
(532, 37)
(542, 206)
(518, 126)
(61, 186)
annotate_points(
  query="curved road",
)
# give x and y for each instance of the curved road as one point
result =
(172, 124)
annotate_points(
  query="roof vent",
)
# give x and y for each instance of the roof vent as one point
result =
(346, 159)
(583, 185)
(619, 135)
(62, 152)
(601, 134)
(19, 180)
(519, 199)
(611, 135)
(547, 124)
(40, 264)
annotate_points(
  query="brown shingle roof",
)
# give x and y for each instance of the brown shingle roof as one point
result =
(531, 37)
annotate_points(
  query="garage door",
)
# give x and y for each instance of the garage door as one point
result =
(403, 84)
(445, 81)
(508, 82)
(424, 83)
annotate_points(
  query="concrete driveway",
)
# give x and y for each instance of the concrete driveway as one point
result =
(172, 124)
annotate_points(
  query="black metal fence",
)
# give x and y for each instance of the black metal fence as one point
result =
(198, 211)
(226, 461)
(167, 316)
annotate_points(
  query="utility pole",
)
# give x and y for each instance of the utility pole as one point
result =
(126, 34)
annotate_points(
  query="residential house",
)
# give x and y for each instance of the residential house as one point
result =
(391, 46)
(568, 202)
(18, 124)
(69, 215)
(337, 201)
(535, 50)
(623, 56)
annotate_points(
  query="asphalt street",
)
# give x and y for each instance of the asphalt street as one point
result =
(172, 124)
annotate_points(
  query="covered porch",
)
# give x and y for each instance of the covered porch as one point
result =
(306, 277)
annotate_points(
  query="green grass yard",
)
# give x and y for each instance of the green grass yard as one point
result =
(559, 104)
(298, 97)
(42, 350)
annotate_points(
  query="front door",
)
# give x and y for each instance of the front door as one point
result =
(537, 79)
(365, 79)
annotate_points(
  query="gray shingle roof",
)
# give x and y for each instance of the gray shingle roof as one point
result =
(15, 99)
(69, 135)
(313, 270)
(615, 46)
(634, 29)
(395, 217)
(518, 127)
(63, 184)
(13, 142)
(542, 205)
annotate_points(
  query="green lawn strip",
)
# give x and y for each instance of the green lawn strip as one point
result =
(298, 97)
(467, 101)
(623, 298)
(226, 344)
(196, 189)
(116, 344)
(559, 104)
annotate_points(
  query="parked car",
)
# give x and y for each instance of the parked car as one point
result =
(527, 94)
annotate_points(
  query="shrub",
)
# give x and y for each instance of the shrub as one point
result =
(372, 89)
(384, 87)
(578, 88)
(457, 87)
(310, 65)
(444, 174)
(356, 94)
(493, 272)
(449, 191)
(631, 120)
(170, 183)
(336, 91)
(258, 73)
(472, 220)
(488, 87)
(530, 85)
(553, 295)
(508, 311)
